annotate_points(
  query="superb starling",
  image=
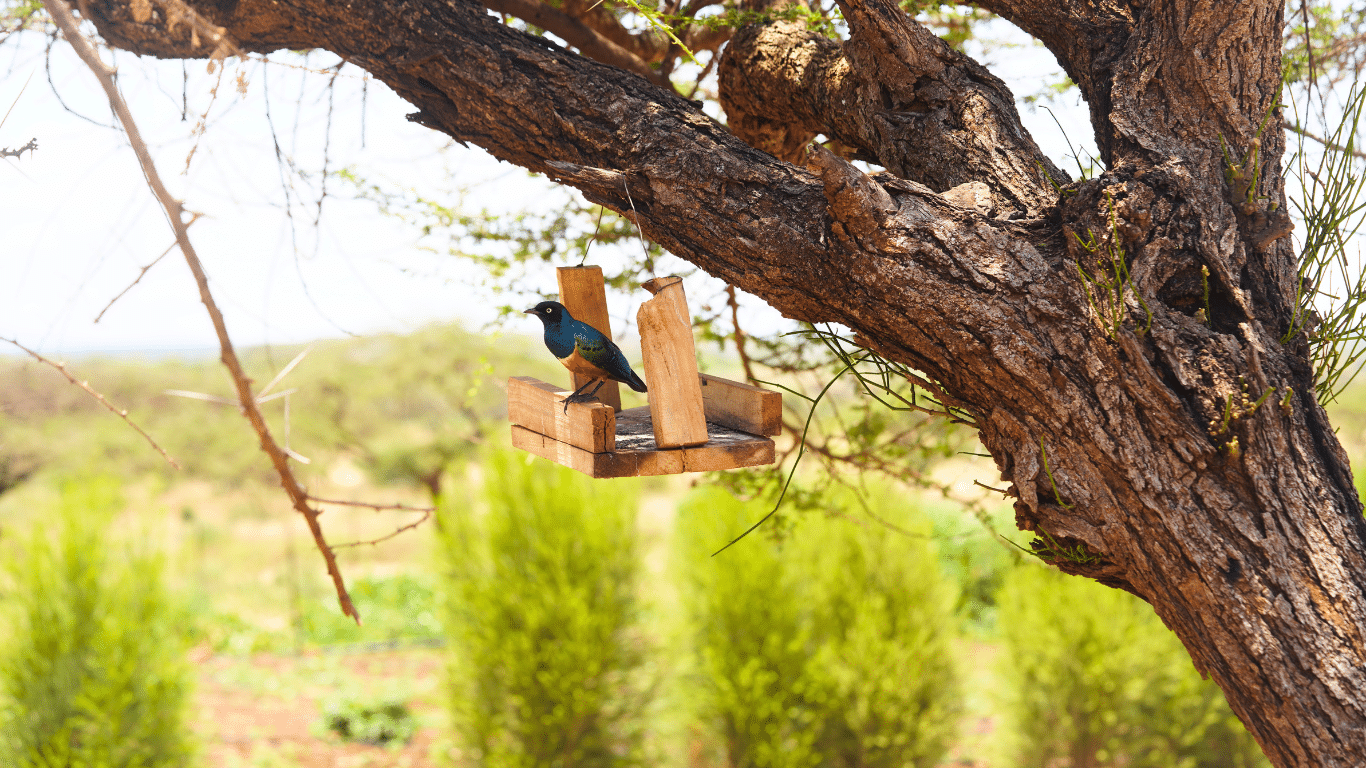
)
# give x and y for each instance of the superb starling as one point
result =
(584, 350)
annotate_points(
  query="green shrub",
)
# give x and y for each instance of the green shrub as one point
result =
(545, 659)
(1093, 678)
(885, 618)
(750, 636)
(381, 721)
(832, 648)
(93, 671)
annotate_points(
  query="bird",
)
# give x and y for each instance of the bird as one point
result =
(584, 350)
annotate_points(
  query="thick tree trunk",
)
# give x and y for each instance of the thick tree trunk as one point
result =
(1245, 534)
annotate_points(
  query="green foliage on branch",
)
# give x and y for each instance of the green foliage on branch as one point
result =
(1331, 291)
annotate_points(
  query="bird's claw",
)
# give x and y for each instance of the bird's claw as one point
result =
(582, 397)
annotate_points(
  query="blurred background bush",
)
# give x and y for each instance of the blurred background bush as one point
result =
(542, 619)
(93, 667)
(1092, 677)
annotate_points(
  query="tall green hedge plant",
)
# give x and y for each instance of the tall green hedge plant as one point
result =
(93, 671)
(1092, 678)
(546, 659)
(832, 647)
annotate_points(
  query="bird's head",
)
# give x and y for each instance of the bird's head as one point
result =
(549, 312)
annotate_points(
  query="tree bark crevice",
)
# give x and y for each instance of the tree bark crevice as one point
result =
(890, 93)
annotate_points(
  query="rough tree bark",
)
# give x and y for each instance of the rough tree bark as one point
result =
(962, 260)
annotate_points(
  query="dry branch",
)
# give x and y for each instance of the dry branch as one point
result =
(578, 34)
(61, 15)
(1294, 128)
(122, 413)
(369, 505)
(402, 528)
(143, 273)
(29, 147)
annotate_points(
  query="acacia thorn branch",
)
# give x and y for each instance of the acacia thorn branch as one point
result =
(29, 147)
(122, 413)
(369, 505)
(61, 16)
(426, 514)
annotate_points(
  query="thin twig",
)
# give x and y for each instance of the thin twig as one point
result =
(47, 66)
(739, 334)
(61, 15)
(1001, 491)
(122, 413)
(387, 536)
(327, 141)
(10, 111)
(1308, 41)
(202, 125)
(1293, 128)
(368, 505)
(141, 274)
(29, 147)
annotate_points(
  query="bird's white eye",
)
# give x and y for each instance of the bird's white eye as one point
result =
(547, 310)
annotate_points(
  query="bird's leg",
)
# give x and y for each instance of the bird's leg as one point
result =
(579, 396)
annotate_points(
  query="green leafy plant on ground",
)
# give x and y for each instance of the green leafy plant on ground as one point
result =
(383, 721)
(397, 609)
(831, 647)
(546, 655)
(1092, 678)
(93, 668)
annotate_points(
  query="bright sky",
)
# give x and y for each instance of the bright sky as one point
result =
(79, 222)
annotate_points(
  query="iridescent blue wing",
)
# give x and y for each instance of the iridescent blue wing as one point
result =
(600, 351)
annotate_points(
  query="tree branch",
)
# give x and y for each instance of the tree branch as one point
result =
(889, 93)
(577, 33)
(143, 272)
(29, 147)
(61, 15)
(122, 413)
(1293, 128)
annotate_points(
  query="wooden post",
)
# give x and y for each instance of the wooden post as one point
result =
(584, 294)
(666, 343)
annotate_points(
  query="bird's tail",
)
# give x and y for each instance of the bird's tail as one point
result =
(636, 383)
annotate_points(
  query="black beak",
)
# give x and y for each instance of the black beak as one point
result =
(531, 311)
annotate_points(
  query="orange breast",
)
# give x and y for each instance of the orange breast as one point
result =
(576, 363)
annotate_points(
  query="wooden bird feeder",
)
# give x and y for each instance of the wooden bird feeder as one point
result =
(694, 422)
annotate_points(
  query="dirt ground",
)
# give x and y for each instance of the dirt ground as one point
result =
(265, 711)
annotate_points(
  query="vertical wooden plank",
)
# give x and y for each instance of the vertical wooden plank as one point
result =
(671, 365)
(584, 294)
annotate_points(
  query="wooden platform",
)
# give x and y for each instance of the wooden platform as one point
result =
(601, 443)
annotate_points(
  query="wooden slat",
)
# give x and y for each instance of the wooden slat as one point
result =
(727, 449)
(539, 407)
(558, 452)
(584, 294)
(666, 344)
(739, 406)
